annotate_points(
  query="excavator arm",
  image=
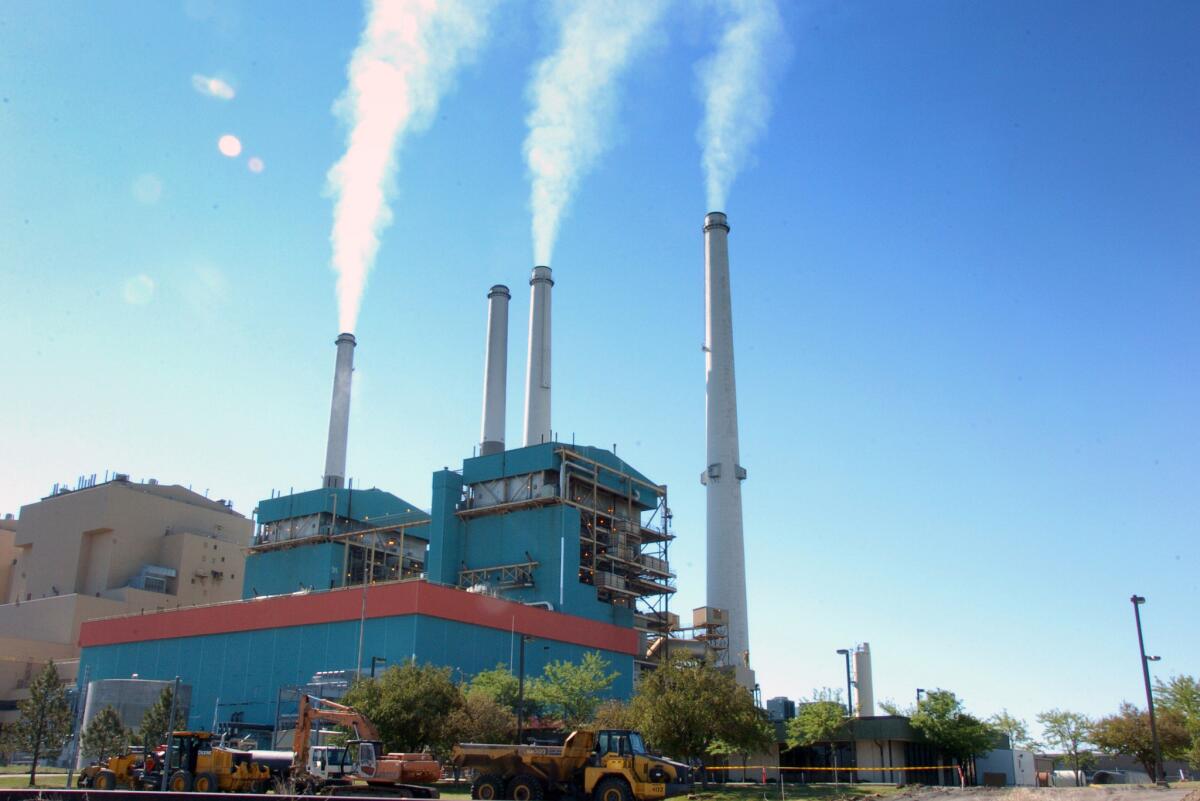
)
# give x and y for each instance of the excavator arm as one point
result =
(320, 710)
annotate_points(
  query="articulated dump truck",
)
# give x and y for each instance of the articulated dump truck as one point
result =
(604, 765)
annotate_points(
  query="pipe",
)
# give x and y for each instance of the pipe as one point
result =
(537, 364)
(339, 413)
(495, 372)
(724, 475)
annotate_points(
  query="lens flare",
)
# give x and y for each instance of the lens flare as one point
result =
(255, 164)
(230, 146)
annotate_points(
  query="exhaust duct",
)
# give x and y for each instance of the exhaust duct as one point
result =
(723, 477)
(537, 365)
(339, 413)
(495, 372)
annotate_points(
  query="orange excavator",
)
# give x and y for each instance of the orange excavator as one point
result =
(363, 758)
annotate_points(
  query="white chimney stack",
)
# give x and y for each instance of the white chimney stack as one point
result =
(339, 413)
(495, 372)
(863, 682)
(724, 474)
(537, 366)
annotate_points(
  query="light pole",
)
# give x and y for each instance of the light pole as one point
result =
(376, 660)
(920, 690)
(849, 696)
(1159, 774)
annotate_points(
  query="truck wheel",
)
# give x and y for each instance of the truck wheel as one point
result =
(206, 783)
(614, 788)
(83, 782)
(524, 787)
(181, 782)
(488, 787)
(105, 780)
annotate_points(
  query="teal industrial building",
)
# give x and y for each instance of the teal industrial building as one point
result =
(562, 546)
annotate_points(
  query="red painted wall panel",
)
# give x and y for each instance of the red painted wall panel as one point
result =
(384, 600)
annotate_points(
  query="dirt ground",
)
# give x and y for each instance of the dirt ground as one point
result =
(1186, 792)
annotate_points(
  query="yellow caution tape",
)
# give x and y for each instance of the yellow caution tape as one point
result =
(839, 770)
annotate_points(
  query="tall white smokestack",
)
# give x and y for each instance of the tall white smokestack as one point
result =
(863, 682)
(339, 413)
(537, 365)
(495, 372)
(724, 475)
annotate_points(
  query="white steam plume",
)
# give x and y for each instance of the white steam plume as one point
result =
(735, 84)
(406, 59)
(573, 91)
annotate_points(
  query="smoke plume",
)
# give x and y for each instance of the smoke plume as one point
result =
(406, 58)
(735, 84)
(573, 92)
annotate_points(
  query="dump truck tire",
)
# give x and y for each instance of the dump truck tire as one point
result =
(105, 780)
(83, 782)
(524, 787)
(181, 782)
(613, 788)
(488, 787)
(206, 783)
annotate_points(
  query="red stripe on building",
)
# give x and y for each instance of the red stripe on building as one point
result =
(338, 606)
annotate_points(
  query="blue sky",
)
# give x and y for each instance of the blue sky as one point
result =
(965, 273)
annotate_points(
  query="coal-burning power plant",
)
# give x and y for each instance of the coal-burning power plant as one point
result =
(560, 543)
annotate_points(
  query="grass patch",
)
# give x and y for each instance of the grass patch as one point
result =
(11, 781)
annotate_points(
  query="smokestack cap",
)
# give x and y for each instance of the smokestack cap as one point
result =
(499, 289)
(541, 274)
(345, 337)
(716, 219)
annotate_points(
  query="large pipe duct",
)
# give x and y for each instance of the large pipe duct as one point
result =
(495, 372)
(724, 474)
(339, 413)
(537, 365)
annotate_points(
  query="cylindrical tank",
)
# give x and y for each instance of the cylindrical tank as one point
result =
(131, 698)
(863, 682)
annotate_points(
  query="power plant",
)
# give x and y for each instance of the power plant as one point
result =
(561, 543)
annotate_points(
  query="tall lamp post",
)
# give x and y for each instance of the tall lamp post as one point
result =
(920, 692)
(1159, 773)
(849, 696)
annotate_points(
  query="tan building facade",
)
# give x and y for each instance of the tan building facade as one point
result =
(111, 549)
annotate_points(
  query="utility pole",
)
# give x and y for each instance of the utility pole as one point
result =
(1159, 773)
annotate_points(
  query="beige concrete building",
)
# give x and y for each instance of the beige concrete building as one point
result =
(111, 549)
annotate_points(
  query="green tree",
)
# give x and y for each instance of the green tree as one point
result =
(614, 714)
(1128, 732)
(684, 708)
(1015, 728)
(105, 736)
(573, 690)
(957, 734)
(1068, 732)
(480, 718)
(1181, 695)
(499, 683)
(410, 704)
(155, 726)
(892, 708)
(750, 732)
(819, 721)
(44, 719)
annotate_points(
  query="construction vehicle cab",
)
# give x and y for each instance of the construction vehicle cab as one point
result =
(198, 765)
(120, 771)
(604, 765)
(363, 758)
